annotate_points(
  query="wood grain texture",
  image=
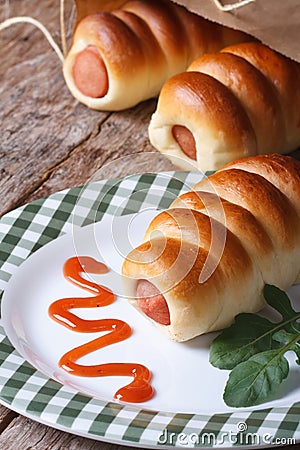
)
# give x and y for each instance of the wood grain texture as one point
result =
(48, 140)
(6, 416)
(21, 435)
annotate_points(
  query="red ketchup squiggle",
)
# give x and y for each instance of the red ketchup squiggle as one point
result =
(139, 389)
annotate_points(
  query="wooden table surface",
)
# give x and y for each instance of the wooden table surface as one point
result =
(50, 142)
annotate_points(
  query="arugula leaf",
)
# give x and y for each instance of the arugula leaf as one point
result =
(254, 347)
(280, 301)
(249, 335)
(286, 338)
(255, 380)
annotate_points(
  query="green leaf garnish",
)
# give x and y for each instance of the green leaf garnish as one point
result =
(249, 335)
(256, 379)
(254, 348)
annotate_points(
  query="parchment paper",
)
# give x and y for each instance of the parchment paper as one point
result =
(276, 23)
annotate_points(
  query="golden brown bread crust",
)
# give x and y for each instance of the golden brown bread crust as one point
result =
(257, 195)
(239, 221)
(266, 86)
(142, 44)
(282, 171)
(243, 80)
(284, 76)
(234, 231)
(220, 126)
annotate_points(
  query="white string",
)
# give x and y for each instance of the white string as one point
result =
(233, 6)
(71, 19)
(24, 19)
(6, 9)
(62, 28)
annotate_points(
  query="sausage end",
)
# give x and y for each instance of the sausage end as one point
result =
(185, 140)
(90, 74)
(152, 302)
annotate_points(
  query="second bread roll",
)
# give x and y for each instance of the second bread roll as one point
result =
(242, 101)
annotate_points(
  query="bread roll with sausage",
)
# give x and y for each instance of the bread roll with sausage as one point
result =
(119, 58)
(241, 101)
(207, 258)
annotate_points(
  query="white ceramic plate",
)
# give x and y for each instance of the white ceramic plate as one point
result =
(188, 390)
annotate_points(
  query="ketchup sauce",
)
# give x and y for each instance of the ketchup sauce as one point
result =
(139, 389)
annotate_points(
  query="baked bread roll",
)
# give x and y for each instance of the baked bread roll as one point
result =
(242, 101)
(121, 57)
(207, 258)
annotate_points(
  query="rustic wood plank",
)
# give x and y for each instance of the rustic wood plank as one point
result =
(6, 417)
(23, 433)
(40, 122)
(121, 148)
(50, 141)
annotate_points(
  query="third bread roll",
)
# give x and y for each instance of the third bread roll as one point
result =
(206, 258)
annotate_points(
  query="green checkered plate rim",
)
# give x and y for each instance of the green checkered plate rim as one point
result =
(32, 394)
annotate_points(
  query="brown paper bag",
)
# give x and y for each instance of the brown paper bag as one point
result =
(87, 7)
(276, 23)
